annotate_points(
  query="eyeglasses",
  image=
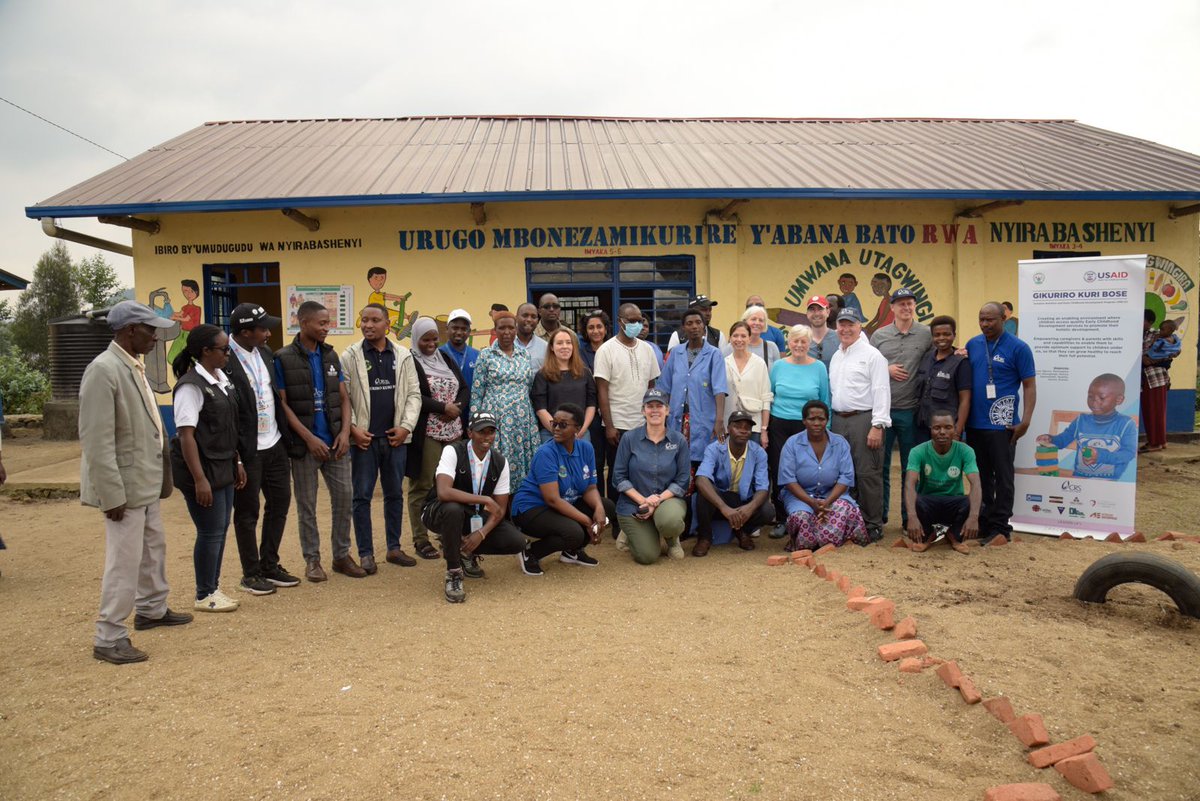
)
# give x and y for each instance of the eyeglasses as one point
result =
(224, 350)
(551, 306)
(558, 424)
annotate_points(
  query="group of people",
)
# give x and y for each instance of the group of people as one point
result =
(543, 441)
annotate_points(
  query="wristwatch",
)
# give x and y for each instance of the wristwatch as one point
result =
(880, 426)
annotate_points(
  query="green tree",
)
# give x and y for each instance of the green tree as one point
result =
(98, 283)
(53, 292)
(6, 318)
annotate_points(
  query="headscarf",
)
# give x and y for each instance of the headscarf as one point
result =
(433, 365)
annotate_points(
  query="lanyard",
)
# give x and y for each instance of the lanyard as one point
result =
(988, 348)
(460, 359)
(250, 366)
(478, 469)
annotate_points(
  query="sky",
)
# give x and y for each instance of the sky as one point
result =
(131, 75)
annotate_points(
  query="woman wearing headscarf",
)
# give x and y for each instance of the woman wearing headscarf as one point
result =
(444, 396)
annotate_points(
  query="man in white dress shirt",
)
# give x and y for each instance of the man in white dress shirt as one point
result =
(860, 390)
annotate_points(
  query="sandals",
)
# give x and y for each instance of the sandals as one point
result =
(425, 550)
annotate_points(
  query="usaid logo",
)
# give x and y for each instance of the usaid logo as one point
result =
(1091, 276)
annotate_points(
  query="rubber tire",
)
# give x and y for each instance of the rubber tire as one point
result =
(1181, 584)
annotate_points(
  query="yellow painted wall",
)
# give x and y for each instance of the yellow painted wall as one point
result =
(957, 269)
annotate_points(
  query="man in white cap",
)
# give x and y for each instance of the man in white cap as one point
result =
(123, 473)
(458, 331)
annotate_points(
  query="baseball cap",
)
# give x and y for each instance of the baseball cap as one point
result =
(741, 416)
(654, 396)
(251, 315)
(130, 312)
(702, 300)
(460, 314)
(482, 420)
(849, 313)
(902, 293)
(817, 300)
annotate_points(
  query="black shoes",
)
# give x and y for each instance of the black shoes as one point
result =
(470, 566)
(141, 623)
(123, 653)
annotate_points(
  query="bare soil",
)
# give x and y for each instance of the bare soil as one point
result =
(708, 678)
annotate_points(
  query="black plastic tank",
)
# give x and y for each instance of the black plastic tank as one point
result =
(74, 342)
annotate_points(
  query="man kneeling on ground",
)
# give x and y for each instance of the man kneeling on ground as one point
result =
(732, 480)
(467, 504)
(935, 497)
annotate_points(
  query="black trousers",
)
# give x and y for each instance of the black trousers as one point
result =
(779, 431)
(450, 522)
(994, 453)
(705, 512)
(556, 532)
(270, 473)
(599, 441)
(610, 459)
(947, 510)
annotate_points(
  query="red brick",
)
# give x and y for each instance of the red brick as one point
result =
(883, 617)
(1015, 538)
(1085, 772)
(1045, 757)
(856, 592)
(1027, 791)
(826, 548)
(1114, 537)
(1001, 709)
(843, 583)
(804, 561)
(997, 541)
(1137, 537)
(930, 661)
(1170, 535)
(801, 553)
(906, 629)
(1066, 535)
(775, 561)
(859, 603)
(1030, 730)
(832, 576)
(890, 652)
(900, 543)
(911, 665)
(950, 673)
(968, 691)
(796, 559)
(819, 570)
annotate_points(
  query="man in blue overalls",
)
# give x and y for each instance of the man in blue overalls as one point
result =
(694, 378)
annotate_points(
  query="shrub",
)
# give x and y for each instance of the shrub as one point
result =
(23, 388)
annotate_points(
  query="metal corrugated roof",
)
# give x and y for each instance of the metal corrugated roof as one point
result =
(271, 164)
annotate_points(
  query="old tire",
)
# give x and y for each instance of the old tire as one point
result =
(1179, 583)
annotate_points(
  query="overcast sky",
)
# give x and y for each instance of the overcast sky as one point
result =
(132, 75)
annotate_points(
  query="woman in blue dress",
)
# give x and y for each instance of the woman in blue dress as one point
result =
(815, 471)
(503, 376)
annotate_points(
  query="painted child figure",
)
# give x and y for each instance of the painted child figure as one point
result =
(1105, 441)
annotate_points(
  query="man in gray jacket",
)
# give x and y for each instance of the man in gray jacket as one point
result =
(123, 473)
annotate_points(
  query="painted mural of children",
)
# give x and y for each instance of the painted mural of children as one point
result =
(881, 287)
(188, 317)
(401, 327)
(1166, 346)
(848, 300)
(1105, 441)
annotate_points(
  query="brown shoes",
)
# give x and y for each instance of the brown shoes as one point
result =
(744, 540)
(314, 571)
(346, 566)
(123, 653)
(701, 547)
(368, 564)
(398, 557)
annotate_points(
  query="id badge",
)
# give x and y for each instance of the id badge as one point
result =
(264, 418)
(991, 391)
(476, 523)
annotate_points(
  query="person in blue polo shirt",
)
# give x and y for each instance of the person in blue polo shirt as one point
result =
(1001, 369)
(557, 503)
(732, 481)
(458, 331)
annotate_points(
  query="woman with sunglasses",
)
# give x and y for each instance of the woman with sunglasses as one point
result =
(204, 458)
(558, 504)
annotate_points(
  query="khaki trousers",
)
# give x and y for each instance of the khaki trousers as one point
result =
(135, 574)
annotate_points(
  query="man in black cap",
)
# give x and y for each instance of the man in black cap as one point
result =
(704, 305)
(904, 343)
(264, 454)
(122, 473)
(732, 481)
(467, 504)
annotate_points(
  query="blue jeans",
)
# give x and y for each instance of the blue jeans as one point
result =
(904, 429)
(212, 523)
(386, 463)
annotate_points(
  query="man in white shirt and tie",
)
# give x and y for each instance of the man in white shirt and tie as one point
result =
(860, 391)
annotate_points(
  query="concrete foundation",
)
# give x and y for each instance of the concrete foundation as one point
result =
(60, 420)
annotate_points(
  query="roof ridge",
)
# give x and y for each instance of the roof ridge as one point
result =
(563, 117)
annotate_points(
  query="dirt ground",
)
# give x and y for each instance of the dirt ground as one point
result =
(708, 678)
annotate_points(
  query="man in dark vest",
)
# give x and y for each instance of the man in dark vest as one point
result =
(263, 452)
(309, 378)
(467, 504)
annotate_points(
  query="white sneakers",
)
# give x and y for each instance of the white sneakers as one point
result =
(622, 543)
(674, 549)
(217, 602)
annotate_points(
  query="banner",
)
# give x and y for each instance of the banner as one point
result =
(1076, 468)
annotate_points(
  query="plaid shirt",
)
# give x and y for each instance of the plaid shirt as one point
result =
(1152, 374)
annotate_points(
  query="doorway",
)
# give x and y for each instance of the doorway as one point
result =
(228, 285)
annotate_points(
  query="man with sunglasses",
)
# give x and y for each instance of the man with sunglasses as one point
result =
(550, 314)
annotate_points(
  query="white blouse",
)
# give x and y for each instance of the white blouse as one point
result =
(750, 390)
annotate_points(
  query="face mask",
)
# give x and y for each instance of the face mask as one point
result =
(632, 330)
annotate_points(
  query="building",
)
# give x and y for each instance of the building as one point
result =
(467, 211)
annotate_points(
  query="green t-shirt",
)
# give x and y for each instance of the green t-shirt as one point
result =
(938, 474)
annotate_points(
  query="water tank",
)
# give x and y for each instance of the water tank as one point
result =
(74, 342)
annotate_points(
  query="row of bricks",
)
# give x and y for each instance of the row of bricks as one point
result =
(1137, 537)
(1073, 759)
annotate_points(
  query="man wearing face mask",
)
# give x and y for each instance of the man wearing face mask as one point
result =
(535, 346)
(625, 368)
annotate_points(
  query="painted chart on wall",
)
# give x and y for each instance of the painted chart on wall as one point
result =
(338, 299)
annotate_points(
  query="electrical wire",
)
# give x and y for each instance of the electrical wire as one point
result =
(61, 128)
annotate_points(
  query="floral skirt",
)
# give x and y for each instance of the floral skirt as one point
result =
(844, 523)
